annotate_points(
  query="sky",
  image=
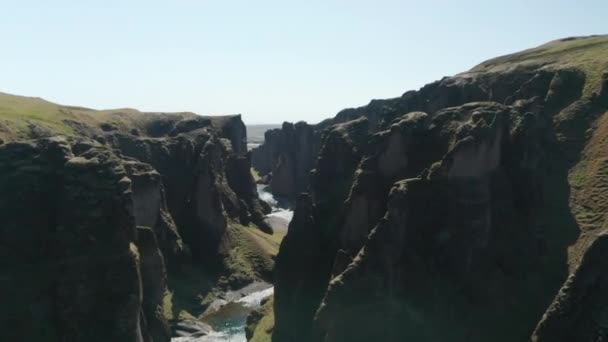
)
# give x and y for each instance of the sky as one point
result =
(271, 61)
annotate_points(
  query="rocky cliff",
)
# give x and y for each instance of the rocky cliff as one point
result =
(287, 156)
(458, 211)
(118, 222)
(75, 264)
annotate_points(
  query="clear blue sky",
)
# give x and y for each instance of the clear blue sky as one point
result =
(269, 60)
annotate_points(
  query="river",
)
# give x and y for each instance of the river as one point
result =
(229, 321)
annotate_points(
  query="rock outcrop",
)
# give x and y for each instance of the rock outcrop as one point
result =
(287, 154)
(96, 223)
(450, 220)
(423, 271)
(579, 311)
(207, 178)
(72, 264)
(240, 179)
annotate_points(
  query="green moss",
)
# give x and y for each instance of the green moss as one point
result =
(168, 305)
(269, 242)
(262, 329)
(185, 315)
(577, 180)
(434, 169)
(255, 174)
(246, 259)
(247, 256)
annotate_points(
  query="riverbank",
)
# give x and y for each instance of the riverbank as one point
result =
(225, 318)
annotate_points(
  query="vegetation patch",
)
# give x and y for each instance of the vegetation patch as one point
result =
(23, 117)
(248, 255)
(586, 53)
(255, 174)
(270, 243)
(588, 183)
(247, 259)
(261, 322)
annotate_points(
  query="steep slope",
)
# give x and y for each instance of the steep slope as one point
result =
(471, 202)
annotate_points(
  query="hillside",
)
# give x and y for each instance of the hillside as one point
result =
(583, 53)
(24, 117)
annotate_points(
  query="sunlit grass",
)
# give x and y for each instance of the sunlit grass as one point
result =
(262, 331)
(588, 54)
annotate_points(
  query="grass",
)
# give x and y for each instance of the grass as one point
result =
(577, 180)
(16, 112)
(585, 53)
(588, 181)
(249, 255)
(262, 330)
(255, 174)
(19, 113)
(270, 243)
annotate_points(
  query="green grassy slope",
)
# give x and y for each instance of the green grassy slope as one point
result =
(262, 329)
(589, 54)
(21, 116)
(248, 255)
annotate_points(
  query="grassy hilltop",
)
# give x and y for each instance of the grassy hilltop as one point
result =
(589, 54)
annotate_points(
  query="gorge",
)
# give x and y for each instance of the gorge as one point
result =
(472, 209)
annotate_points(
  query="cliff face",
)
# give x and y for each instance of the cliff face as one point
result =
(206, 176)
(72, 267)
(450, 218)
(556, 71)
(287, 154)
(578, 312)
(95, 224)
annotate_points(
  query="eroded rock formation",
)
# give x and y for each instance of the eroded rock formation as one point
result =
(451, 219)
(94, 223)
(579, 311)
(287, 154)
(72, 267)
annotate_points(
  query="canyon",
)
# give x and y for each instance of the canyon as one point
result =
(472, 209)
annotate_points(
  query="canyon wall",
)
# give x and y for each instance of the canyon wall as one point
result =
(287, 156)
(456, 214)
(95, 223)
